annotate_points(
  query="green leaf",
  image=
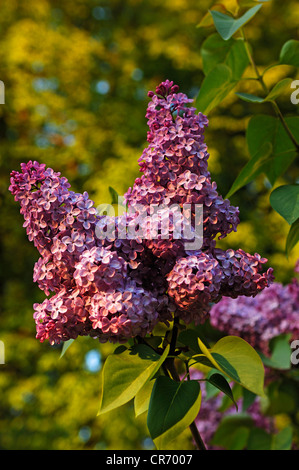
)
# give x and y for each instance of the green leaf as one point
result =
(239, 361)
(248, 399)
(65, 346)
(232, 53)
(289, 54)
(281, 351)
(207, 20)
(233, 432)
(126, 373)
(285, 201)
(250, 98)
(259, 439)
(282, 398)
(278, 89)
(257, 164)
(220, 382)
(215, 87)
(293, 237)
(228, 26)
(202, 359)
(142, 398)
(114, 195)
(173, 406)
(189, 338)
(283, 439)
(263, 128)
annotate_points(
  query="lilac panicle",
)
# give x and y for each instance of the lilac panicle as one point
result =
(116, 288)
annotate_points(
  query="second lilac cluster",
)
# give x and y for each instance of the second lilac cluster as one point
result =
(258, 319)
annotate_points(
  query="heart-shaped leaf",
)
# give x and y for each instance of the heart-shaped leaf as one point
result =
(173, 407)
(289, 53)
(232, 53)
(285, 201)
(237, 360)
(227, 26)
(263, 128)
(126, 373)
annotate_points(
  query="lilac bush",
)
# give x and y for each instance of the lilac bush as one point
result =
(116, 278)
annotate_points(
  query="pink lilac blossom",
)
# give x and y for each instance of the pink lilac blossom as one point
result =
(258, 319)
(115, 287)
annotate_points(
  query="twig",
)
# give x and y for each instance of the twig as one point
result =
(265, 88)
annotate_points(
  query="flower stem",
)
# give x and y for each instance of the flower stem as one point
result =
(169, 365)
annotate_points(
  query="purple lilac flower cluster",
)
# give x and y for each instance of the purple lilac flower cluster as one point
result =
(258, 319)
(117, 287)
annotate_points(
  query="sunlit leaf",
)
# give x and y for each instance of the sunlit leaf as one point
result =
(126, 373)
(65, 346)
(237, 360)
(142, 398)
(279, 88)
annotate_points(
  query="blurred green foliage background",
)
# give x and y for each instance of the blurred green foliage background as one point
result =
(76, 77)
